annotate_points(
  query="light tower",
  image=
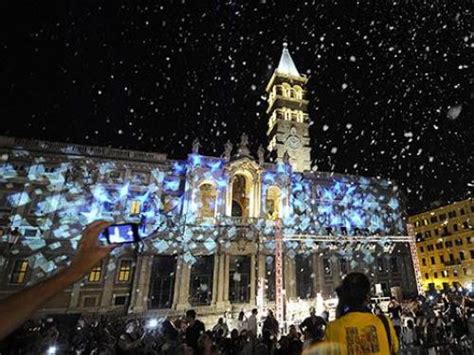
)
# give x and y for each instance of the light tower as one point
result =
(288, 122)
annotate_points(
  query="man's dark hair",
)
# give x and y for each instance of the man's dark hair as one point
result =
(191, 314)
(354, 290)
(254, 311)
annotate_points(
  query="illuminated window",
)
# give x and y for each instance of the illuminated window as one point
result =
(95, 274)
(124, 271)
(273, 203)
(207, 196)
(240, 193)
(135, 207)
(19, 271)
(425, 222)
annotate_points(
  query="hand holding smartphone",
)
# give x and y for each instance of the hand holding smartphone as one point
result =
(121, 233)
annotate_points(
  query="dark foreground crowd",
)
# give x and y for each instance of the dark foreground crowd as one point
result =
(443, 325)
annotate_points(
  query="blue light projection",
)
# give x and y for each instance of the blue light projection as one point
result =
(76, 193)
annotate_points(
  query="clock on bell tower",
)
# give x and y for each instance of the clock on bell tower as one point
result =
(288, 122)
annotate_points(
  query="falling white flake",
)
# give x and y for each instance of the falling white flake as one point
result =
(454, 111)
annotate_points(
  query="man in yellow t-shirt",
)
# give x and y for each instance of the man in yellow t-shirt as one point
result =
(356, 331)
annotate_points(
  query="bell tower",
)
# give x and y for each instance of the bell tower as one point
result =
(288, 120)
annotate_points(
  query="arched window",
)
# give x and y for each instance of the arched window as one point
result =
(273, 203)
(294, 116)
(286, 90)
(298, 91)
(240, 201)
(207, 195)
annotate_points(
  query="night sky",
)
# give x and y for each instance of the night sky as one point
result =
(389, 84)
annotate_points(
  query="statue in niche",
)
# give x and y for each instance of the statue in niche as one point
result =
(91, 174)
(73, 173)
(286, 158)
(228, 150)
(261, 155)
(243, 147)
(196, 146)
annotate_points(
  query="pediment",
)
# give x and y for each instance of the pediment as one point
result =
(243, 164)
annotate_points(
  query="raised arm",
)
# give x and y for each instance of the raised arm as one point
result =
(18, 307)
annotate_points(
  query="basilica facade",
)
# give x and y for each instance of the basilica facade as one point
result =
(208, 223)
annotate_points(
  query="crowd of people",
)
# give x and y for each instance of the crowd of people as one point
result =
(434, 325)
(423, 326)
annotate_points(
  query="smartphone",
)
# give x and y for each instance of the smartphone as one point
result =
(121, 233)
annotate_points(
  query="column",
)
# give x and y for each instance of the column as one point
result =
(336, 271)
(177, 281)
(107, 291)
(316, 280)
(289, 273)
(141, 284)
(322, 277)
(253, 280)
(74, 300)
(183, 275)
(221, 281)
(226, 278)
(261, 296)
(215, 277)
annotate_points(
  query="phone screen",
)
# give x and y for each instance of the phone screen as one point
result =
(122, 233)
